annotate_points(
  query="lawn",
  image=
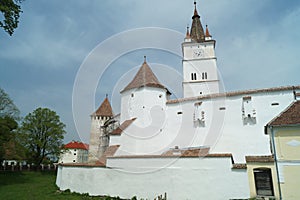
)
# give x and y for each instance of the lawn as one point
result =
(35, 185)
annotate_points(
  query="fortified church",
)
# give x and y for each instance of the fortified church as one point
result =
(189, 148)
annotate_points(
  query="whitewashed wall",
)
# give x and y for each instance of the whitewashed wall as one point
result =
(223, 130)
(186, 178)
(74, 156)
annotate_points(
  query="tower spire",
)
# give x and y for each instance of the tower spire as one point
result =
(197, 32)
(187, 36)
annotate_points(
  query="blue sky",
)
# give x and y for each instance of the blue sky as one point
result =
(257, 47)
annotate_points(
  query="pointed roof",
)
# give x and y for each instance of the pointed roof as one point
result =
(197, 32)
(187, 35)
(290, 116)
(207, 34)
(104, 109)
(122, 127)
(76, 145)
(144, 78)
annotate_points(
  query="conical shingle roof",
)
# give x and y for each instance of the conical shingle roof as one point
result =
(144, 78)
(197, 32)
(104, 109)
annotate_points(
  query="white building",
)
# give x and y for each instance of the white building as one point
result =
(191, 148)
(74, 152)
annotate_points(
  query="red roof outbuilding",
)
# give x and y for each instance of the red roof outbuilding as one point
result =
(76, 145)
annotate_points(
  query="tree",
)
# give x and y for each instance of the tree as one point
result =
(42, 135)
(9, 114)
(7, 125)
(11, 12)
(7, 106)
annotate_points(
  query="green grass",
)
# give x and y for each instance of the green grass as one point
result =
(35, 185)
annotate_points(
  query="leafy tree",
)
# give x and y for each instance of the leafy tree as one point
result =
(9, 114)
(42, 135)
(7, 106)
(11, 12)
(7, 125)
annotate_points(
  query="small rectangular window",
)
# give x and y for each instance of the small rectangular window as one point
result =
(222, 108)
(263, 182)
(179, 113)
(275, 104)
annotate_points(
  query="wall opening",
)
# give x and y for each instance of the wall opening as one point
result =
(263, 182)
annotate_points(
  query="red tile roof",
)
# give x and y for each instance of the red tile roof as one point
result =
(82, 165)
(260, 158)
(104, 109)
(122, 127)
(192, 152)
(290, 116)
(144, 77)
(76, 145)
(234, 93)
(182, 153)
(239, 166)
(219, 155)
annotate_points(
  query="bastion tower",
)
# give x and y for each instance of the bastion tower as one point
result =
(99, 138)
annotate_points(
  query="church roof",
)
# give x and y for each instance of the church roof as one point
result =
(290, 116)
(104, 109)
(197, 32)
(234, 93)
(144, 78)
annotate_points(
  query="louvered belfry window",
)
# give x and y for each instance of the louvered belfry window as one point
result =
(263, 182)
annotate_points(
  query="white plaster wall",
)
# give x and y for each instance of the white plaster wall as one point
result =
(198, 66)
(192, 89)
(74, 156)
(244, 140)
(223, 130)
(139, 102)
(187, 178)
(189, 47)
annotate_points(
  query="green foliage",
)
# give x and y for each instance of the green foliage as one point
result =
(9, 114)
(7, 106)
(42, 135)
(11, 12)
(7, 125)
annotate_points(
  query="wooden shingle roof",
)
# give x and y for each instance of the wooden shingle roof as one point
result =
(104, 109)
(290, 116)
(197, 32)
(122, 127)
(144, 78)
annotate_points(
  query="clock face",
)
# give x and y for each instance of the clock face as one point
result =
(198, 53)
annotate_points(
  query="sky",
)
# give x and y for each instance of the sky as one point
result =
(67, 55)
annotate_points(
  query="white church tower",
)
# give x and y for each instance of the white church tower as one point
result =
(200, 73)
(99, 138)
(144, 97)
